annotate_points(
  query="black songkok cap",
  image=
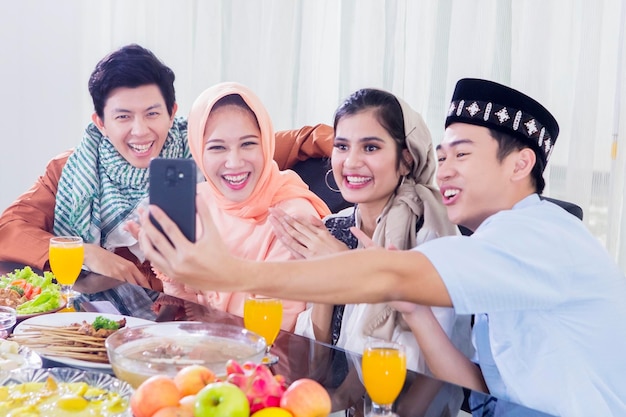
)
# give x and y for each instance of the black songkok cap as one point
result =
(498, 107)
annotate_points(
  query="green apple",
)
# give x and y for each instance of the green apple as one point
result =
(220, 399)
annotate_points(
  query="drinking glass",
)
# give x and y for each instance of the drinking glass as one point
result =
(66, 261)
(263, 315)
(8, 317)
(384, 372)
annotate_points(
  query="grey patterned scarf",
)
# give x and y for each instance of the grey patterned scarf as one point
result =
(99, 189)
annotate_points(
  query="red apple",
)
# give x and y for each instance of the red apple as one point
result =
(191, 379)
(156, 392)
(173, 412)
(188, 403)
(306, 398)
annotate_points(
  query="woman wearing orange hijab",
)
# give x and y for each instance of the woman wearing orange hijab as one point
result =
(232, 141)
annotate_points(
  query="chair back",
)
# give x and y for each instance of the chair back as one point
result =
(313, 171)
(566, 205)
(569, 207)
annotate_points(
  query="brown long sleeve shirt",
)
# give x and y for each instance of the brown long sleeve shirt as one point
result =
(26, 225)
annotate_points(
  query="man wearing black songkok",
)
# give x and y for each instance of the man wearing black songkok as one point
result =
(549, 300)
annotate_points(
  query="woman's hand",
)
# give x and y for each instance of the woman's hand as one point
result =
(304, 237)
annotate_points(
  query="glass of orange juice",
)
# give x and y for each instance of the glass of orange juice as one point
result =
(384, 372)
(66, 254)
(263, 315)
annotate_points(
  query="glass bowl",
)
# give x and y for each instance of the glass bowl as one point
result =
(93, 379)
(164, 348)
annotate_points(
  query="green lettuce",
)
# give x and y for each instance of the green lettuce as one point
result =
(49, 299)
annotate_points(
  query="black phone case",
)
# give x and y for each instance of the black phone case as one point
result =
(173, 189)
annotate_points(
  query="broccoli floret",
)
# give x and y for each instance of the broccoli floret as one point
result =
(17, 289)
(103, 323)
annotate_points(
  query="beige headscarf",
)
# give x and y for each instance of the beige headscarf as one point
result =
(416, 197)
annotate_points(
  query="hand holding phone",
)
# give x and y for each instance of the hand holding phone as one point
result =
(173, 189)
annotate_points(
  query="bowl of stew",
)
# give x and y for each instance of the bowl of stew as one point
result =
(164, 348)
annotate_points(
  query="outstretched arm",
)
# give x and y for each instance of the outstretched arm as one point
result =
(306, 238)
(362, 276)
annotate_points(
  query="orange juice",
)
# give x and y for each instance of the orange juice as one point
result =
(66, 262)
(263, 316)
(384, 371)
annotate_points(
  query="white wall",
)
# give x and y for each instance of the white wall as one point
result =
(38, 71)
(49, 49)
(303, 56)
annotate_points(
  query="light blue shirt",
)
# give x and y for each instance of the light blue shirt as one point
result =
(556, 306)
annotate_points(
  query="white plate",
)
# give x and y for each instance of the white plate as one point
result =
(65, 319)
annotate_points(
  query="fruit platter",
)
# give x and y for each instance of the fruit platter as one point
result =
(247, 389)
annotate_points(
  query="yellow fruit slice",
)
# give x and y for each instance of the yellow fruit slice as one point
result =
(272, 412)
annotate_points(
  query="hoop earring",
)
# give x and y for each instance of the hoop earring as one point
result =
(328, 185)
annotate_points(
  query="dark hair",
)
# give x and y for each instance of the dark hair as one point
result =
(130, 66)
(509, 143)
(388, 113)
(235, 100)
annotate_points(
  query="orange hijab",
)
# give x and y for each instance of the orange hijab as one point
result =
(274, 185)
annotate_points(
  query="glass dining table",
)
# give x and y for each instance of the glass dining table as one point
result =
(339, 371)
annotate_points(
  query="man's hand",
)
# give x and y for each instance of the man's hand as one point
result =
(304, 237)
(184, 261)
(133, 227)
(101, 261)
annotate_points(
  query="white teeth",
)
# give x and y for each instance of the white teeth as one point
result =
(358, 180)
(140, 148)
(236, 179)
(450, 193)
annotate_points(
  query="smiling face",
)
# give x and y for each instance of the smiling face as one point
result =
(364, 160)
(474, 184)
(233, 155)
(136, 122)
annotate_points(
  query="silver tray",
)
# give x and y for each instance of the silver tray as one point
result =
(94, 379)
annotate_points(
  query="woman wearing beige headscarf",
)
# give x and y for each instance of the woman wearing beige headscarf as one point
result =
(383, 161)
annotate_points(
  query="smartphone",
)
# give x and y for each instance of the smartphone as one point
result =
(173, 189)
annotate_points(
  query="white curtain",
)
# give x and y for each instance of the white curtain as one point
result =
(302, 57)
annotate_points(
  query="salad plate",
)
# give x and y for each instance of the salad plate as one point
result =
(39, 294)
(21, 317)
